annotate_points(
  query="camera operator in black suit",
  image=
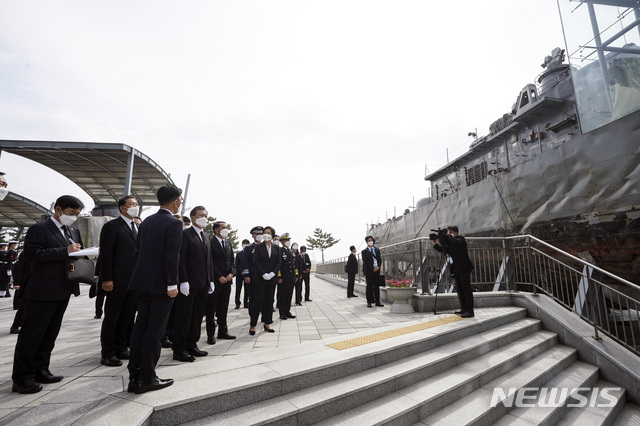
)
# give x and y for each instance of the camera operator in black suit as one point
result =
(456, 247)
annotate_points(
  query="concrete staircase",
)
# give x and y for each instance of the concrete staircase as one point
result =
(444, 375)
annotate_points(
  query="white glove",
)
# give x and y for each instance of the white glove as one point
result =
(212, 287)
(266, 276)
(184, 288)
(271, 275)
(9, 272)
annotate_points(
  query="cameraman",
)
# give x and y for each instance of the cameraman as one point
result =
(456, 247)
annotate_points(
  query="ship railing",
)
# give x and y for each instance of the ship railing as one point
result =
(524, 263)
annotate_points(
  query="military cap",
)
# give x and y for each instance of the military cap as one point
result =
(285, 236)
(257, 230)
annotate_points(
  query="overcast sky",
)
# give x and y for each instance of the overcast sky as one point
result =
(296, 114)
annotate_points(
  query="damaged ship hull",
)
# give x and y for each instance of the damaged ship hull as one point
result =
(581, 195)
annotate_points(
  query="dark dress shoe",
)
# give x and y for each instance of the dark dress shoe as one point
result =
(245, 307)
(226, 336)
(252, 332)
(298, 304)
(211, 340)
(111, 361)
(308, 300)
(183, 357)
(379, 304)
(269, 330)
(197, 352)
(467, 315)
(123, 355)
(458, 312)
(26, 386)
(353, 295)
(153, 385)
(97, 316)
(14, 330)
(131, 388)
(237, 306)
(45, 376)
(283, 317)
(289, 315)
(368, 305)
(166, 343)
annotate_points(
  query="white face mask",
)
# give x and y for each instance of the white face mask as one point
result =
(67, 220)
(295, 247)
(258, 239)
(370, 243)
(266, 237)
(3, 193)
(287, 244)
(201, 222)
(185, 226)
(244, 245)
(277, 242)
(224, 233)
(133, 211)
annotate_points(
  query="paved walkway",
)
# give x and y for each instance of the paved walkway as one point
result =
(77, 352)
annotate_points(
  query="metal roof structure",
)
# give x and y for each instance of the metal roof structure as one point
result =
(18, 211)
(105, 171)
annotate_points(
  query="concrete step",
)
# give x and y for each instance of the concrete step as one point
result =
(325, 400)
(629, 416)
(550, 405)
(599, 409)
(475, 405)
(410, 404)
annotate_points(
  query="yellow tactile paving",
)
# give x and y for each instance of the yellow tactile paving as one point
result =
(359, 341)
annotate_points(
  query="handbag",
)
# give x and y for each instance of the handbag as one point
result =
(80, 270)
(381, 281)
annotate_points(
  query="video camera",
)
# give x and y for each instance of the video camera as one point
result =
(439, 235)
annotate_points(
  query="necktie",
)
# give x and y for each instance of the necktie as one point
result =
(134, 230)
(67, 234)
(202, 238)
(222, 245)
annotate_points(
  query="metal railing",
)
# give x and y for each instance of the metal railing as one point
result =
(520, 263)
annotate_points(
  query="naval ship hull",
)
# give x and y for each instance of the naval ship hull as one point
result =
(582, 195)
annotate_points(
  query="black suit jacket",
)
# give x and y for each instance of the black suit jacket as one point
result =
(306, 263)
(157, 253)
(46, 249)
(287, 266)
(117, 252)
(352, 264)
(367, 260)
(265, 263)
(223, 262)
(457, 248)
(195, 259)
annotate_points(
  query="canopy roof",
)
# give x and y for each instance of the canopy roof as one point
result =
(18, 211)
(102, 170)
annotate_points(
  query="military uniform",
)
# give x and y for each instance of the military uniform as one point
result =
(6, 265)
(286, 280)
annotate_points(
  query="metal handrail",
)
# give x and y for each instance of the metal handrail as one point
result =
(612, 308)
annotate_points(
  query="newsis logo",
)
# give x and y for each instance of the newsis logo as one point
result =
(555, 397)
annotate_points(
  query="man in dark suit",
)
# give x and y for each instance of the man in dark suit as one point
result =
(117, 260)
(299, 263)
(7, 267)
(239, 279)
(456, 247)
(155, 281)
(223, 272)
(47, 246)
(306, 273)
(196, 281)
(371, 263)
(286, 278)
(352, 270)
